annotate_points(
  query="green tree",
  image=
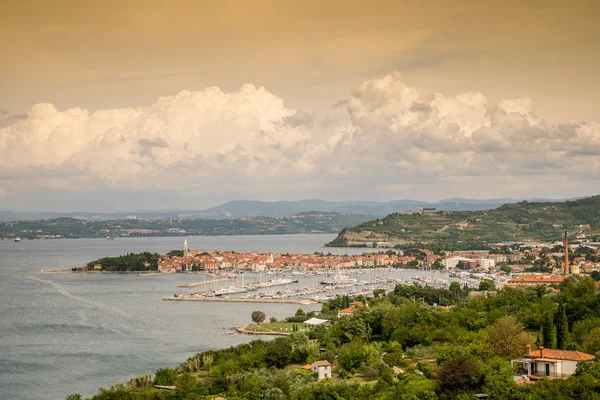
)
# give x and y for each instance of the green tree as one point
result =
(548, 332)
(562, 327)
(506, 339)
(352, 355)
(258, 317)
(207, 360)
(300, 313)
(499, 383)
(459, 375)
(591, 343)
(486, 285)
(278, 352)
(165, 377)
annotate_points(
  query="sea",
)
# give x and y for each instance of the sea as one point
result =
(65, 333)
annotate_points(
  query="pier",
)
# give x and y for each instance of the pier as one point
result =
(239, 300)
(195, 284)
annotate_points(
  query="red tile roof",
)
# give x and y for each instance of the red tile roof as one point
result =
(347, 310)
(322, 363)
(561, 355)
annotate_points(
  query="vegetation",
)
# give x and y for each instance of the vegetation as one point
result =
(401, 346)
(321, 222)
(476, 230)
(258, 317)
(131, 262)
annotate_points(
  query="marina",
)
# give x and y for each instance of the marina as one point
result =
(322, 285)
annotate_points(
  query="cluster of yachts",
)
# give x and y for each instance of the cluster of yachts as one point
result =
(249, 287)
(312, 286)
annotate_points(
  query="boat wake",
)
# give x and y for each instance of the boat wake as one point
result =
(61, 289)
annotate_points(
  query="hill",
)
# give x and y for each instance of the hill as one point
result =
(243, 208)
(518, 222)
(309, 222)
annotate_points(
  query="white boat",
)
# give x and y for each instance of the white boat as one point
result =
(339, 280)
(17, 239)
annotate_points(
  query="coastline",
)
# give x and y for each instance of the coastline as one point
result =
(238, 300)
(242, 330)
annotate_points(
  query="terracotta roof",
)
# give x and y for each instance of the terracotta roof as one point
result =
(307, 366)
(561, 355)
(347, 310)
(538, 278)
(322, 363)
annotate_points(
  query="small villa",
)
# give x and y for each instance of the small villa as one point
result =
(345, 312)
(550, 363)
(323, 368)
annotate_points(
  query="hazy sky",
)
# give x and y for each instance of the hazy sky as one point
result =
(127, 104)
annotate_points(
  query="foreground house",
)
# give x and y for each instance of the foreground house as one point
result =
(549, 363)
(323, 368)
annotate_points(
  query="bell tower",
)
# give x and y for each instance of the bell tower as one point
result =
(186, 249)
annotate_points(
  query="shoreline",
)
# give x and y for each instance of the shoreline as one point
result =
(239, 300)
(243, 331)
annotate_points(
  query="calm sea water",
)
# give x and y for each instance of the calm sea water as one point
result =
(72, 333)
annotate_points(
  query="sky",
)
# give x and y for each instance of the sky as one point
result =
(129, 105)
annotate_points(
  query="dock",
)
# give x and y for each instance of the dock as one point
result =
(239, 300)
(193, 285)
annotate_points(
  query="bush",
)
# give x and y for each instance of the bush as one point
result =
(165, 377)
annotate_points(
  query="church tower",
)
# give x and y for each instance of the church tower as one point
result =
(186, 249)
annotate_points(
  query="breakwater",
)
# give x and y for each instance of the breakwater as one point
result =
(195, 284)
(238, 300)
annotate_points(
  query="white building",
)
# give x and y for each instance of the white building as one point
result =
(323, 368)
(550, 363)
(486, 263)
(451, 263)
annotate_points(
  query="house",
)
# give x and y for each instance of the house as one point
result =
(534, 280)
(549, 363)
(323, 368)
(345, 312)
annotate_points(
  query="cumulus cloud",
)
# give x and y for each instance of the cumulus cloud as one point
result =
(387, 136)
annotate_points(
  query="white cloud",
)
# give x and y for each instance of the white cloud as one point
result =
(391, 138)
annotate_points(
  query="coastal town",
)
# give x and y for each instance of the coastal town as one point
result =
(317, 277)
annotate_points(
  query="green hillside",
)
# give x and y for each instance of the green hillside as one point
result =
(524, 221)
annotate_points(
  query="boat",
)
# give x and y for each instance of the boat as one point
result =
(110, 238)
(339, 280)
(17, 239)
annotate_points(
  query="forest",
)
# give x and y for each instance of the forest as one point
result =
(402, 345)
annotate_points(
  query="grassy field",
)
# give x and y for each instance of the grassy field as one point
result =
(276, 327)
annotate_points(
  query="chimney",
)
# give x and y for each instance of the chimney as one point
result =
(566, 270)
(541, 352)
(528, 349)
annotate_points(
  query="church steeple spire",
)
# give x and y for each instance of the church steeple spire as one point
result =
(186, 250)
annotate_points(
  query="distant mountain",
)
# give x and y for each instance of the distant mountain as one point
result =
(242, 208)
(67, 227)
(247, 208)
(522, 221)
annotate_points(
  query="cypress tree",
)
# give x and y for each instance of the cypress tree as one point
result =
(562, 327)
(549, 332)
